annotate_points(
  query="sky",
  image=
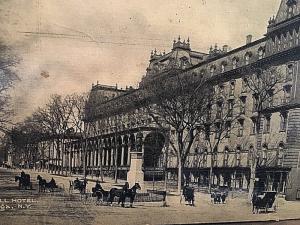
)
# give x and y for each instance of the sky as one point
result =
(79, 42)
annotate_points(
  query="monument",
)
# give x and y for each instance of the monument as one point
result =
(135, 173)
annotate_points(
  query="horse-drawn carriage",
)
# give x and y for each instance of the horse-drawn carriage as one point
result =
(219, 195)
(24, 181)
(188, 195)
(44, 185)
(78, 184)
(264, 200)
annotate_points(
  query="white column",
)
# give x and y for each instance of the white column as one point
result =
(106, 151)
(112, 150)
(122, 155)
(128, 156)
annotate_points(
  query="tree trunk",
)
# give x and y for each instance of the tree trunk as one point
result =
(84, 148)
(252, 178)
(62, 155)
(211, 175)
(179, 176)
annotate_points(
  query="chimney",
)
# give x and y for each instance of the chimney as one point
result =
(225, 48)
(249, 39)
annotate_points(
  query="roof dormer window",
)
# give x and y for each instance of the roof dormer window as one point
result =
(247, 58)
(290, 8)
(234, 62)
(261, 52)
(212, 70)
(223, 66)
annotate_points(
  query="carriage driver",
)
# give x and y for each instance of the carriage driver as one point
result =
(98, 186)
(125, 187)
(23, 174)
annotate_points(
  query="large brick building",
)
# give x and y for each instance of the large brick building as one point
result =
(113, 121)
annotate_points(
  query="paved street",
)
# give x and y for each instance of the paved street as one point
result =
(62, 208)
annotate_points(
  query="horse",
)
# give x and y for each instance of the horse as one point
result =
(123, 194)
(24, 181)
(42, 184)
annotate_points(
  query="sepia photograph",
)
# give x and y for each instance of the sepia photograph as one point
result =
(149, 112)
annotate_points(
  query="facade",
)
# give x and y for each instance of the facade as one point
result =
(113, 121)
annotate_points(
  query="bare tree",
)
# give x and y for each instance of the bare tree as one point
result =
(8, 61)
(179, 104)
(222, 119)
(77, 105)
(55, 119)
(264, 84)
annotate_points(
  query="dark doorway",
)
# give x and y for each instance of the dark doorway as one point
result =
(153, 145)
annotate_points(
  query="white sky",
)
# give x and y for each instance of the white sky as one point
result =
(117, 37)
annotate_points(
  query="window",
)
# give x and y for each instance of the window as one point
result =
(218, 130)
(243, 105)
(226, 156)
(253, 130)
(241, 128)
(270, 98)
(283, 121)
(244, 85)
(228, 129)
(204, 157)
(207, 132)
(215, 157)
(219, 110)
(238, 156)
(280, 154)
(234, 63)
(230, 108)
(232, 88)
(264, 154)
(261, 53)
(184, 62)
(223, 66)
(247, 58)
(221, 89)
(250, 155)
(290, 8)
(267, 124)
(212, 70)
(290, 72)
(255, 103)
(287, 94)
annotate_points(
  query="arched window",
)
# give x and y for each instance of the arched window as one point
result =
(291, 5)
(212, 70)
(235, 62)
(247, 58)
(223, 66)
(184, 62)
(261, 52)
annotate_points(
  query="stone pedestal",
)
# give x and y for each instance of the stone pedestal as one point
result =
(135, 173)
